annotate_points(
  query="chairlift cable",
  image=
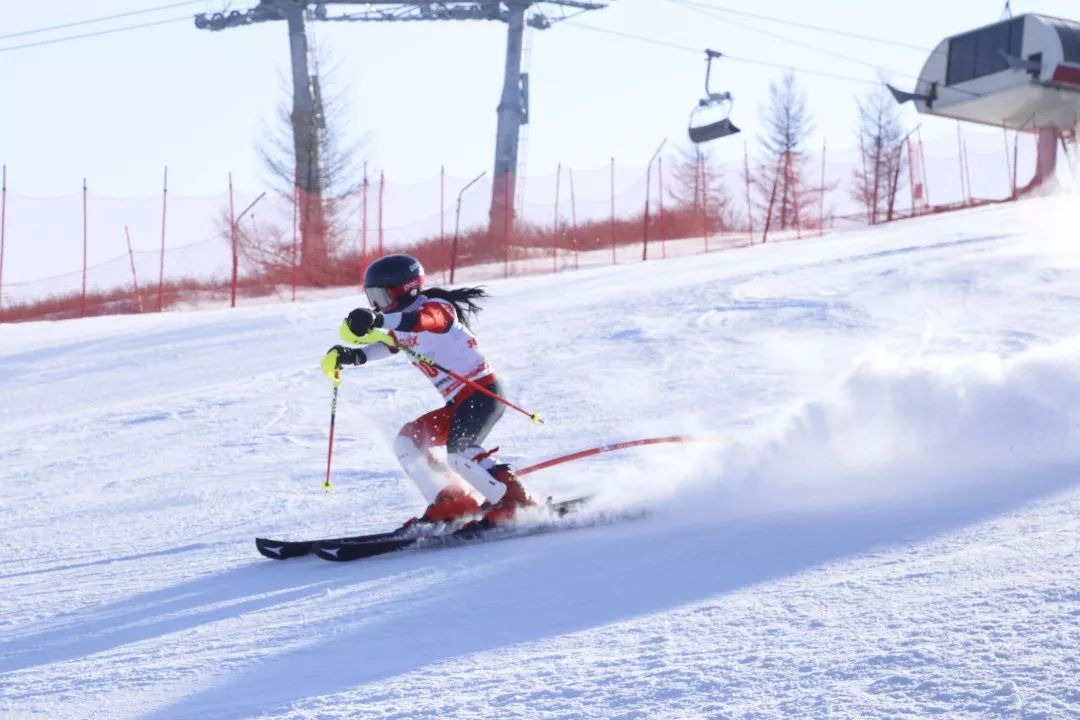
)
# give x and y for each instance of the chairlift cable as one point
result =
(809, 46)
(798, 69)
(736, 58)
(186, 18)
(805, 26)
(101, 19)
(694, 6)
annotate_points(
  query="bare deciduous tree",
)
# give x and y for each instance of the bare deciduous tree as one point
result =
(783, 188)
(879, 175)
(339, 167)
(697, 194)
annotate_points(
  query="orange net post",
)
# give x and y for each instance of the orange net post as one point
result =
(134, 276)
(364, 227)
(749, 203)
(294, 265)
(614, 259)
(573, 221)
(161, 258)
(382, 198)
(704, 203)
(235, 245)
(555, 224)
(442, 215)
(821, 196)
(508, 221)
(3, 227)
(660, 206)
(86, 251)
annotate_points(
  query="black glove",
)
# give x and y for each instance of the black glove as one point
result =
(362, 320)
(348, 355)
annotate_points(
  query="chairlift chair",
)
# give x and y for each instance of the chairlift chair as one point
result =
(713, 104)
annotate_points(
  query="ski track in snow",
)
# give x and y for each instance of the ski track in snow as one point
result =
(890, 528)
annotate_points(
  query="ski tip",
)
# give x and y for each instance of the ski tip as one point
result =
(270, 549)
(280, 549)
(563, 507)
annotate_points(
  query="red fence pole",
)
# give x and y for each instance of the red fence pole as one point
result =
(912, 166)
(865, 182)
(1008, 165)
(772, 201)
(295, 234)
(967, 174)
(795, 200)
(573, 220)
(660, 206)
(235, 245)
(555, 227)
(925, 172)
(363, 228)
(382, 194)
(960, 158)
(749, 206)
(161, 266)
(134, 277)
(442, 216)
(614, 259)
(3, 223)
(82, 307)
(506, 224)
(821, 199)
(645, 215)
(648, 198)
(704, 203)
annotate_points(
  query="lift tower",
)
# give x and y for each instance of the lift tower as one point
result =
(513, 110)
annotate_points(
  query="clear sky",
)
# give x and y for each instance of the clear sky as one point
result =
(117, 107)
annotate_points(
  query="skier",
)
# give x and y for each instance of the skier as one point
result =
(434, 322)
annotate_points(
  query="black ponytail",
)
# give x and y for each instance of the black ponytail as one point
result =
(463, 300)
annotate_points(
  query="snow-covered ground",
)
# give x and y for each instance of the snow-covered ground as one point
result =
(890, 528)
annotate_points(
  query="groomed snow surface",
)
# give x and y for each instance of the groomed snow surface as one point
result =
(889, 527)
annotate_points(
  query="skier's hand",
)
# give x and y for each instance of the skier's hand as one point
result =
(361, 321)
(369, 338)
(340, 355)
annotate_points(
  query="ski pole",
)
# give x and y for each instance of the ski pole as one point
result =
(611, 447)
(379, 336)
(333, 416)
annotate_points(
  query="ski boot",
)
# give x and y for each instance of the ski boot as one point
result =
(452, 503)
(506, 508)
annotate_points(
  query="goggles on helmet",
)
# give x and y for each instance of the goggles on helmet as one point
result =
(383, 298)
(380, 298)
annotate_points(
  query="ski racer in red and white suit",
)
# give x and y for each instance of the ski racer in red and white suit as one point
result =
(432, 325)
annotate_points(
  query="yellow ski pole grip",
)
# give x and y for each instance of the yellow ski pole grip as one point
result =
(369, 338)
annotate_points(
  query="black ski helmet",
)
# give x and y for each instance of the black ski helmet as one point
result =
(393, 281)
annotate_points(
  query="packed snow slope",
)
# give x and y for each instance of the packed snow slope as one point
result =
(887, 528)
